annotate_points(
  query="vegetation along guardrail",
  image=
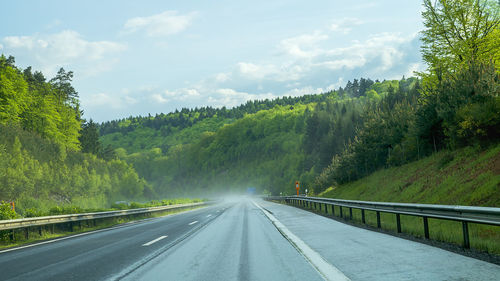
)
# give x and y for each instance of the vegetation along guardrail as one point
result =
(464, 214)
(27, 223)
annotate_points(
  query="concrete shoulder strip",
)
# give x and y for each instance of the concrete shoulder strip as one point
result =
(327, 271)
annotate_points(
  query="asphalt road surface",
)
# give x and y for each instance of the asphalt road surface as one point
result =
(243, 239)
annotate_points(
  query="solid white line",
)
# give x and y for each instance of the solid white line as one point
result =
(154, 241)
(191, 223)
(327, 271)
(209, 215)
(66, 237)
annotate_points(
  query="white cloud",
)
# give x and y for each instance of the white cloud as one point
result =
(159, 98)
(184, 94)
(285, 72)
(66, 48)
(222, 77)
(163, 24)
(303, 46)
(254, 71)
(230, 97)
(345, 25)
(414, 67)
(307, 56)
(108, 100)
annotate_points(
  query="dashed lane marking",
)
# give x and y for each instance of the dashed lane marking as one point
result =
(154, 241)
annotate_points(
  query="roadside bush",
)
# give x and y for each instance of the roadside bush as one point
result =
(6, 213)
(136, 205)
(32, 212)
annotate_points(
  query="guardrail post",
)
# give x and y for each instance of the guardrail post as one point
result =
(426, 227)
(341, 215)
(333, 210)
(363, 216)
(350, 213)
(326, 209)
(40, 230)
(12, 235)
(398, 223)
(320, 208)
(27, 233)
(379, 225)
(465, 228)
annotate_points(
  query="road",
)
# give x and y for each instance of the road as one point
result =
(244, 239)
(104, 254)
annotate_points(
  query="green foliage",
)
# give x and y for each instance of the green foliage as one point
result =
(50, 109)
(34, 174)
(89, 138)
(6, 212)
(459, 32)
(466, 176)
(461, 109)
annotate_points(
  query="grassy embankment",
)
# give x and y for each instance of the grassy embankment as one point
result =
(464, 177)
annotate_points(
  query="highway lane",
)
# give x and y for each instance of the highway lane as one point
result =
(241, 244)
(104, 255)
(367, 255)
(239, 240)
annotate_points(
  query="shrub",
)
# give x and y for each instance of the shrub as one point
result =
(6, 213)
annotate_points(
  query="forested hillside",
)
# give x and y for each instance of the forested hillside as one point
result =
(42, 145)
(333, 138)
(49, 155)
(288, 139)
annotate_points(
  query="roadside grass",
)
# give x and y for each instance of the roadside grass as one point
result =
(484, 238)
(469, 176)
(37, 234)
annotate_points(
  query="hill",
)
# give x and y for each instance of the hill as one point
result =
(264, 144)
(468, 176)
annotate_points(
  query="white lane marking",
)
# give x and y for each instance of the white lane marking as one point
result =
(327, 271)
(154, 241)
(209, 215)
(68, 237)
(91, 232)
(191, 223)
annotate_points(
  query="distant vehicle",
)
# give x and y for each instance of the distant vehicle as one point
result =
(251, 191)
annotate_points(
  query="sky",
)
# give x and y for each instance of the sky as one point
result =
(145, 57)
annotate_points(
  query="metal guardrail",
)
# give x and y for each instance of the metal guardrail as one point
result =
(464, 214)
(48, 220)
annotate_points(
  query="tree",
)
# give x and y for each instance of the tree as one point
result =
(459, 32)
(14, 98)
(460, 45)
(89, 138)
(64, 90)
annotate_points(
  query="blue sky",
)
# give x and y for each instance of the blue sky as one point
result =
(140, 57)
